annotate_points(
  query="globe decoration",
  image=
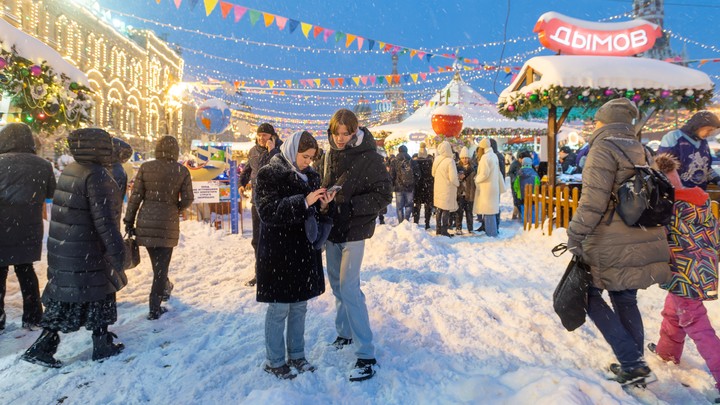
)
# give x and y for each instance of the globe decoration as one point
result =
(447, 121)
(213, 116)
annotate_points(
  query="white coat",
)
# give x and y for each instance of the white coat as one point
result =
(447, 182)
(489, 184)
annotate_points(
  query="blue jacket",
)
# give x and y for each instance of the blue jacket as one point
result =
(694, 156)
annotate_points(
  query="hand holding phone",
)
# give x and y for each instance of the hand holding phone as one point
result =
(334, 189)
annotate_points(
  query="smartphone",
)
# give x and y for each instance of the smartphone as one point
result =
(334, 189)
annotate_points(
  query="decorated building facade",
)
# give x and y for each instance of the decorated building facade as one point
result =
(131, 72)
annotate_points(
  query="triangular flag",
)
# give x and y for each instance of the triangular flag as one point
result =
(356, 79)
(210, 6)
(317, 30)
(158, 1)
(236, 84)
(281, 21)
(288, 83)
(262, 82)
(242, 84)
(225, 9)
(389, 79)
(317, 82)
(254, 16)
(338, 36)
(396, 78)
(293, 25)
(349, 38)
(177, 4)
(371, 44)
(702, 62)
(372, 79)
(271, 83)
(193, 3)
(360, 41)
(414, 77)
(341, 81)
(381, 45)
(412, 53)
(239, 12)
(332, 82)
(363, 79)
(327, 33)
(305, 28)
(380, 80)
(421, 55)
(406, 77)
(388, 47)
(269, 18)
(428, 56)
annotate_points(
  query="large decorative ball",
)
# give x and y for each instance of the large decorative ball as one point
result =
(74, 86)
(533, 97)
(665, 94)
(447, 121)
(24, 72)
(35, 70)
(213, 116)
(3, 63)
(609, 92)
(511, 108)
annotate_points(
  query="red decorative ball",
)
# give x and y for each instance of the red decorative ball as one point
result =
(447, 121)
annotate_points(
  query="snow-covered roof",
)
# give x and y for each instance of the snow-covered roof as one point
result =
(620, 72)
(37, 51)
(477, 112)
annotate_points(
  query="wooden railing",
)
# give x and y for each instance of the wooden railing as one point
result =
(558, 204)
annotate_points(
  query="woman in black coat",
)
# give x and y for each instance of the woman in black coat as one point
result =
(162, 189)
(85, 252)
(289, 260)
(26, 180)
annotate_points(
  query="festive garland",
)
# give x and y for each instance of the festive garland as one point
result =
(46, 100)
(456, 142)
(518, 104)
(503, 132)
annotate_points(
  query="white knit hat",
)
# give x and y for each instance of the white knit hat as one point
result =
(464, 152)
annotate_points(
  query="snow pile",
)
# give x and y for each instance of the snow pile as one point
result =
(461, 320)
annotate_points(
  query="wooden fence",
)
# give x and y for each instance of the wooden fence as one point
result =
(558, 205)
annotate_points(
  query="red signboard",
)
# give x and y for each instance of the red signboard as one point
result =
(570, 36)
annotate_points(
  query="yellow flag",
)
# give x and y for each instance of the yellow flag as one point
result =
(209, 6)
(271, 83)
(356, 79)
(317, 82)
(269, 18)
(414, 77)
(305, 28)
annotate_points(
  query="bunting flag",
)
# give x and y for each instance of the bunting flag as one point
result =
(268, 18)
(327, 34)
(371, 43)
(177, 4)
(293, 26)
(349, 38)
(239, 12)
(414, 77)
(356, 79)
(210, 6)
(381, 45)
(372, 79)
(225, 9)
(332, 82)
(413, 52)
(271, 83)
(317, 82)
(341, 81)
(364, 79)
(193, 3)
(338, 36)
(288, 83)
(281, 21)
(305, 28)
(360, 41)
(254, 16)
(317, 30)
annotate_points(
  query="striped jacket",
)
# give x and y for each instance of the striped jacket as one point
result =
(694, 240)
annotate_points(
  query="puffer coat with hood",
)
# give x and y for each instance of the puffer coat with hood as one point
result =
(161, 190)
(26, 180)
(621, 257)
(444, 170)
(85, 247)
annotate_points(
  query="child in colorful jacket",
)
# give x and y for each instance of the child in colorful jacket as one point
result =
(694, 240)
(527, 175)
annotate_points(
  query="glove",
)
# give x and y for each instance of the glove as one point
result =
(574, 246)
(130, 229)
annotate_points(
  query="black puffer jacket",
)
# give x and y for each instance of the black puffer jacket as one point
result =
(164, 188)
(26, 180)
(366, 188)
(85, 247)
(426, 183)
(121, 153)
(288, 268)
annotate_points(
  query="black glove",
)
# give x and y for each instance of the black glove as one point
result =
(130, 229)
(575, 247)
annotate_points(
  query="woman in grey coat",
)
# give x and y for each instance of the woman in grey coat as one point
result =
(622, 258)
(162, 189)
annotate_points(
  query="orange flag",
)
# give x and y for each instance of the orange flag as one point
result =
(413, 52)
(317, 30)
(288, 83)
(349, 38)
(225, 9)
(269, 18)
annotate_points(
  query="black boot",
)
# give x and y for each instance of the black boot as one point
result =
(103, 346)
(168, 290)
(42, 351)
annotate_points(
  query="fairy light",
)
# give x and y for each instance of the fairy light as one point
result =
(690, 41)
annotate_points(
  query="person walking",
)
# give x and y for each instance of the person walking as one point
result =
(26, 180)
(444, 171)
(466, 191)
(162, 190)
(293, 213)
(423, 191)
(694, 239)
(86, 259)
(354, 164)
(526, 176)
(122, 152)
(690, 146)
(489, 183)
(267, 145)
(622, 258)
(404, 175)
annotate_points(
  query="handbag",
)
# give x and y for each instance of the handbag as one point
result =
(570, 298)
(132, 252)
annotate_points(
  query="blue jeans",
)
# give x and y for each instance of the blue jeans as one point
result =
(275, 318)
(621, 326)
(404, 204)
(490, 225)
(352, 320)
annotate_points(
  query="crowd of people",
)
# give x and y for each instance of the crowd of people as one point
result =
(308, 201)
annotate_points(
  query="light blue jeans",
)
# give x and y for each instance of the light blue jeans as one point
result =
(275, 318)
(352, 321)
(404, 204)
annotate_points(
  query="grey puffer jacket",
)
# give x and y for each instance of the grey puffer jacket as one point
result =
(621, 257)
(161, 190)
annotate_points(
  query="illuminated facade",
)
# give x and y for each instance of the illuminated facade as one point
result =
(131, 73)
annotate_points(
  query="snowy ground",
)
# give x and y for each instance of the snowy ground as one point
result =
(462, 320)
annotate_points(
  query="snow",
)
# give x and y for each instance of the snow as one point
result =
(35, 50)
(618, 72)
(461, 320)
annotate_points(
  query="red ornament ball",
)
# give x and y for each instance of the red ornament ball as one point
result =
(447, 121)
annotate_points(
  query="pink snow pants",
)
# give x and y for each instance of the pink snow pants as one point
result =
(684, 316)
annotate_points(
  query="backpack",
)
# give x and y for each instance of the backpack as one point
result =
(405, 176)
(646, 198)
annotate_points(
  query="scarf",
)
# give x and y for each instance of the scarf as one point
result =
(289, 151)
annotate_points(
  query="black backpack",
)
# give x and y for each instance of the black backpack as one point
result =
(646, 198)
(405, 176)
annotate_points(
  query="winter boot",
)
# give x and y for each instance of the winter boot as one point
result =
(41, 352)
(639, 376)
(2, 322)
(168, 290)
(301, 365)
(155, 314)
(283, 372)
(103, 346)
(251, 283)
(341, 342)
(363, 370)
